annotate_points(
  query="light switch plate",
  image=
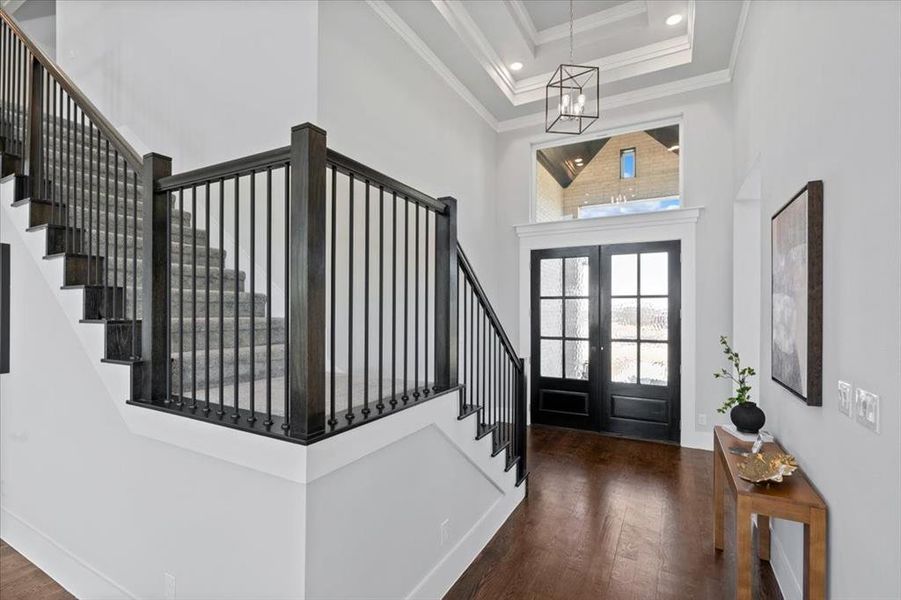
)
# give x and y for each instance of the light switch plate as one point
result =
(844, 398)
(866, 409)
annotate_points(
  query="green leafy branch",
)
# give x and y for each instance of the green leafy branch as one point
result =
(735, 373)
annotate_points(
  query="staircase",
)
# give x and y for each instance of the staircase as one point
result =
(294, 293)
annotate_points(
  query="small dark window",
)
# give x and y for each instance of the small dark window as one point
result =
(627, 163)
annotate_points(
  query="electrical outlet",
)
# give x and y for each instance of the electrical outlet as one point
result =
(702, 419)
(444, 532)
(867, 409)
(844, 398)
(168, 586)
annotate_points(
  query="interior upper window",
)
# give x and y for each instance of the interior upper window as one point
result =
(627, 163)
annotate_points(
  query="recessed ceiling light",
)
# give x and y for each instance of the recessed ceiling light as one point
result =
(673, 148)
(516, 66)
(674, 19)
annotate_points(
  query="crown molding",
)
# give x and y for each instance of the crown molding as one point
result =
(654, 92)
(459, 19)
(524, 24)
(639, 61)
(602, 18)
(393, 20)
(739, 34)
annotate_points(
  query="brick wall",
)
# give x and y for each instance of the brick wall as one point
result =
(656, 174)
(549, 206)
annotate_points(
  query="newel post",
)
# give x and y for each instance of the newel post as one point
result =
(306, 283)
(35, 123)
(155, 318)
(446, 282)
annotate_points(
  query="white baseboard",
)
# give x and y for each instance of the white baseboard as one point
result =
(76, 576)
(700, 440)
(786, 577)
(440, 579)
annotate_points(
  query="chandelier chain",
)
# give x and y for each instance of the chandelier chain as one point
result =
(571, 19)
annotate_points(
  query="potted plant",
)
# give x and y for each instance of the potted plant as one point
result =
(746, 415)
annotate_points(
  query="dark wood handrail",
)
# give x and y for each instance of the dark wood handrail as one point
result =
(349, 166)
(227, 169)
(279, 156)
(489, 310)
(133, 159)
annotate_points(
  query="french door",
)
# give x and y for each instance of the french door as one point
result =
(605, 338)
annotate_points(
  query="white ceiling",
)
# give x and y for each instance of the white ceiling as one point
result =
(471, 43)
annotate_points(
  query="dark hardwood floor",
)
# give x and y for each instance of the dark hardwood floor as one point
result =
(610, 518)
(21, 580)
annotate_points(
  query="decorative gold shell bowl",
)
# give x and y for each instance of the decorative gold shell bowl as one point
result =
(765, 467)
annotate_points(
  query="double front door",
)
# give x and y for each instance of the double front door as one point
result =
(605, 338)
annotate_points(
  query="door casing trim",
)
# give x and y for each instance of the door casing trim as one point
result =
(680, 224)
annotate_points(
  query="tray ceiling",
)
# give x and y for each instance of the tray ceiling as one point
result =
(472, 43)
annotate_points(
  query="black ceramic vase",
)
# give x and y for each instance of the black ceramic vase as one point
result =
(747, 417)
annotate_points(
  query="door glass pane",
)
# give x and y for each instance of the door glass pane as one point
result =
(551, 358)
(654, 318)
(623, 318)
(552, 318)
(552, 277)
(654, 363)
(624, 274)
(576, 359)
(577, 318)
(654, 274)
(576, 281)
(624, 362)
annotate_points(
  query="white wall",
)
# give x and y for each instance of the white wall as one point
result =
(107, 512)
(816, 96)
(37, 18)
(706, 151)
(383, 105)
(200, 81)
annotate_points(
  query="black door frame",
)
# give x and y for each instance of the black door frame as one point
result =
(591, 417)
(672, 391)
(597, 417)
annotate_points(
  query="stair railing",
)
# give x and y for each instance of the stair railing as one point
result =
(377, 307)
(491, 373)
(49, 128)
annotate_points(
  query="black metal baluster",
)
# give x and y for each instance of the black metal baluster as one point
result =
(333, 255)
(116, 312)
(108, 296)
(206, 313)
(237, 352)
(393, 400)
(181, 298)
(253, 305)
(70, 218)
(193, 297)
(486, 398)
(350, 301)
(425, 326)
(268, 421)
(55, 201)
(406, 397)
(94, 261)
(287, 423)
(221, 411)
(380, 405)
(366, 309)
(464, 342)
(168, 399)
(416, 308)
(80, 146)
(102, 262)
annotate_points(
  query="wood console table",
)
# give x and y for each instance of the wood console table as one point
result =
(794, 499)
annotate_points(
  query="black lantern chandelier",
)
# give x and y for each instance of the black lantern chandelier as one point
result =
(568, 105)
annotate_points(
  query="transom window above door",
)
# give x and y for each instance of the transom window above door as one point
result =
(601, 177)
(564, 317)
